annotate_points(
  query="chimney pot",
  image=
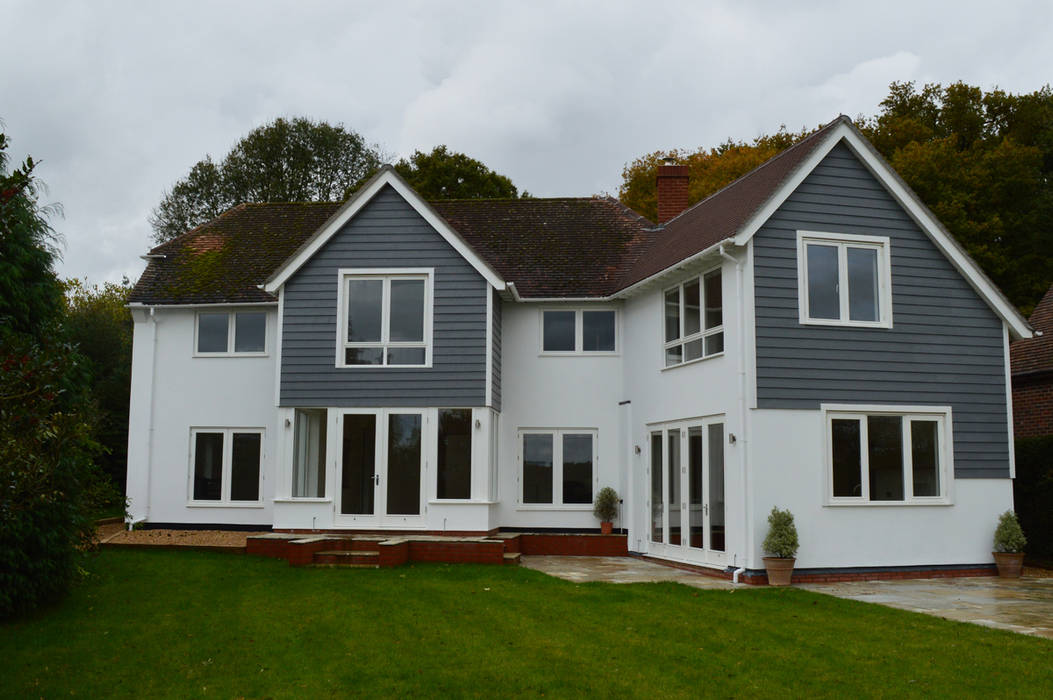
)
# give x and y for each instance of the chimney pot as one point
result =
(672, 189)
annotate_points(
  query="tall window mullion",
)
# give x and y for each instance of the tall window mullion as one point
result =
(385, 318)
(842, 281)
(864, 457)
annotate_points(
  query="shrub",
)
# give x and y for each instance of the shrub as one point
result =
(606, 506)
(782, 535)
(1008, 536)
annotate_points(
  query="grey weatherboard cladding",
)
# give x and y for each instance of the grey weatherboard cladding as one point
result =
(946, 344)
(386, 232)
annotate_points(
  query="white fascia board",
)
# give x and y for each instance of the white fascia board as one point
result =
(387, 176)
(647, 281)
(903, 195)
(218, 304)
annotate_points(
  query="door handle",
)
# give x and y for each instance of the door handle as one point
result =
(705, 509)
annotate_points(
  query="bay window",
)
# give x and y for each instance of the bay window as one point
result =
(694, 319)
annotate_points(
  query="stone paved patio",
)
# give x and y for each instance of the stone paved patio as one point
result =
(1023, 605)
(620, 570)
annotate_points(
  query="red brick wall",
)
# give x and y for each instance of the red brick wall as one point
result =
(574, 545)
(1033, 406)
(672, 191)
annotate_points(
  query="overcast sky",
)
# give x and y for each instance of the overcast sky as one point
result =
(119, 99)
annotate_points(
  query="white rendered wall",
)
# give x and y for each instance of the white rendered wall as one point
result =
(704, 388)
(789, 471)
(555, 392)
(188, 391)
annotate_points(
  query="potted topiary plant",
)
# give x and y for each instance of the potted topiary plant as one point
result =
(606, 508)
(1009, 543)
(781, 546)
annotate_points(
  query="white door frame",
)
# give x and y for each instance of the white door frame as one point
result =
(683, 551)
(380, 518)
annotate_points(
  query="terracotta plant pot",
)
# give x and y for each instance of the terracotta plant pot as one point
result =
(1009, 563)
(606, 528)
(780, 570)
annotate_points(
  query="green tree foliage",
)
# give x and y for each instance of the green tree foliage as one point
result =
(710, 169)
(30, 293)
(444, 174)
(982, 161)
(49, 485)
(99, 323)
(288, 160)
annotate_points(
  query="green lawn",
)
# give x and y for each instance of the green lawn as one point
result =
(186, 624)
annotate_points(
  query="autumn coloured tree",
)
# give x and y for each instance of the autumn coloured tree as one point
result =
(982, 161)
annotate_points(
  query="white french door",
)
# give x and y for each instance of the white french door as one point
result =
(380, 474)
(685, 503)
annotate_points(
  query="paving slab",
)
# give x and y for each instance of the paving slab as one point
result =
(620, 570)
(1023, 605)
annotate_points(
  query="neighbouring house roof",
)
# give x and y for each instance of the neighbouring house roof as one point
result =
(1035, 354)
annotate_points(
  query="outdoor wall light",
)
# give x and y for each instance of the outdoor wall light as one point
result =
(478, 424)
(731, 438)
(636, 449)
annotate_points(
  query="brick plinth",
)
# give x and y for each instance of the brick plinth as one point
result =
(575, 545)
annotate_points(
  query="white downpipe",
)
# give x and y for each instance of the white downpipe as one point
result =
(743, 437)
(738, 572)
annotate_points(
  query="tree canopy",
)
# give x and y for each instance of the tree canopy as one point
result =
(288, 160)
(444, 174)
(982, 161)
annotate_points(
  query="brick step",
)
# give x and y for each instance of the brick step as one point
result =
(349, 558)
(512, 558)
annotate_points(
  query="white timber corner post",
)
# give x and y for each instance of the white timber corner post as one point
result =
(141, 412)
(742, 438)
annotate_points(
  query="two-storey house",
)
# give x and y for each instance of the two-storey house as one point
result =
(809, 337)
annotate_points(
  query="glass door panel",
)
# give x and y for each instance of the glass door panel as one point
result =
(695, 487)
(359, 464)
(657, 498)
(673, 484)
(716, 486)
(404, 464)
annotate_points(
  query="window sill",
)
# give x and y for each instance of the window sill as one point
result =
(376, 367)
(223, 504)
(459, 502)
(230, 354)
(846, 324)
(303, 500)
(694, 361)
(887, 504)
(557, 508)
(577, 354)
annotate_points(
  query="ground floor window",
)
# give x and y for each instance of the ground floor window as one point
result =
(558, 466)
(226, 465)
(309, 436)
(879, 456)
(455, 453)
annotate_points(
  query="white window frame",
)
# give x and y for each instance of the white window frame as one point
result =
(386, 275)
(232, 320)
(945, 435)
(557, 468)
(579, 327)
(228, 453)
(844, 241)
(703, 333)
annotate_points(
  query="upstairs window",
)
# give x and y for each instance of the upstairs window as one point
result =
(694, 319)
(578, 331)
(231, 333)
(844, 280)
(385, 319)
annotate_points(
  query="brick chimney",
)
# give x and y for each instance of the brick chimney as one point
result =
(672, 190)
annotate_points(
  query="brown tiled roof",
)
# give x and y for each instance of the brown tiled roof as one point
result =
(225, 259)
(560, 247)
(553, 247)
(721, 215)
(1036, 354)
